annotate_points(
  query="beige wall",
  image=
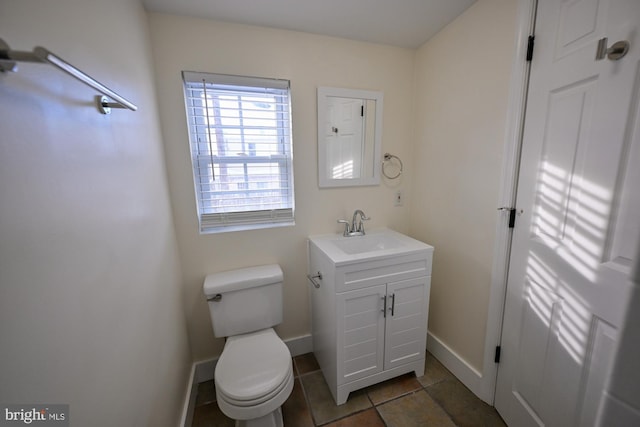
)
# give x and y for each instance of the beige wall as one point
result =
(91, 309)
(309, 61)
(462, 79)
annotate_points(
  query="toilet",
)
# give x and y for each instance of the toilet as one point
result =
(254, 374)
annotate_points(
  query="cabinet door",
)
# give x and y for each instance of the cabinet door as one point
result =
(406, 326)
(360, 333)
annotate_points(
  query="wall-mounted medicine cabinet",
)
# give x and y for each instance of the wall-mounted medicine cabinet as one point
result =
(349, 137)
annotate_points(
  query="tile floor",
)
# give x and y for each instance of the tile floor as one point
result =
(435, 399)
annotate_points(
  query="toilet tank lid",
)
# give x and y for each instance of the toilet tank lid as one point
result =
(243, 278)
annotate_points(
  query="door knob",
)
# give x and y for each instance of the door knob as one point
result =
(615, 52)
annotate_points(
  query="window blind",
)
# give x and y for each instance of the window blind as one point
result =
(241, 150)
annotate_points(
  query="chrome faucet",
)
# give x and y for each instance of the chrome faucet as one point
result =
(355, 228)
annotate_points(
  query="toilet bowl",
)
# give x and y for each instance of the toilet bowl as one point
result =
(254, 377)
(254, 374)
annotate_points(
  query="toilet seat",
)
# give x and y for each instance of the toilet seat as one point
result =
(254, 375)
(260, 400)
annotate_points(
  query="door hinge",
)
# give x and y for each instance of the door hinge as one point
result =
(496, 357)
(530, 42)
(362, 111)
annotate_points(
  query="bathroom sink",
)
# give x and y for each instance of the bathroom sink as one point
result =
(367, 243)
(375, 244)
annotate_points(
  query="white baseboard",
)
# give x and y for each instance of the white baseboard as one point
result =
(300, 345)
(467, 374)
(190, 400)
(203, 371)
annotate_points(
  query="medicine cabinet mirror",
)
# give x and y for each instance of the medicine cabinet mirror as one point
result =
(349, 137)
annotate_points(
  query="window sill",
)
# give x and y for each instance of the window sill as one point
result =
(245, 227)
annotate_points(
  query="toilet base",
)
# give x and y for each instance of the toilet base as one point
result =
(272, 419)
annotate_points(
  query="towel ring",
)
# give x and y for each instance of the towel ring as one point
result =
(388, 157)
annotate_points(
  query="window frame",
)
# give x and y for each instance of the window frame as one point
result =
(214, 216)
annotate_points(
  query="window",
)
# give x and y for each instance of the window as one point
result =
(240, 138)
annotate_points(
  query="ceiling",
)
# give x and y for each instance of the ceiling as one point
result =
(404, 23)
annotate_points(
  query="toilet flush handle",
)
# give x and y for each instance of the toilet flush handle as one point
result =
(216, 298)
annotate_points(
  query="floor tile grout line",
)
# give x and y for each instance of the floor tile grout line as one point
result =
(306, 399)
(304, 392)
(346, 416)
(208, 402)
(373, 405)
(380, 416)
(450, 416)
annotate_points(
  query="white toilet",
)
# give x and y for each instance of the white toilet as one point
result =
(254, 374)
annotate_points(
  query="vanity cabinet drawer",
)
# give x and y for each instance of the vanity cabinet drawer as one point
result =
(380, 272)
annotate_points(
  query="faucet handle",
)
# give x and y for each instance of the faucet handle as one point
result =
(347, 229)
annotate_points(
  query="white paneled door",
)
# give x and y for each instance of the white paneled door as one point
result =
(578, 188)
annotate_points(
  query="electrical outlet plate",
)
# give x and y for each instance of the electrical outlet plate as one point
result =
(398, 200)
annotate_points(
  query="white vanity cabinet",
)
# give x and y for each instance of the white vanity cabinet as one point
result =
(369, 316)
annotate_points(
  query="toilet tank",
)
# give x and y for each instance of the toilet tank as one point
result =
(244, 300)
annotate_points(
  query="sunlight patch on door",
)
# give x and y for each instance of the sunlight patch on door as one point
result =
(580, 209)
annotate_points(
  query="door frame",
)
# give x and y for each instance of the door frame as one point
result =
(516, 113)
